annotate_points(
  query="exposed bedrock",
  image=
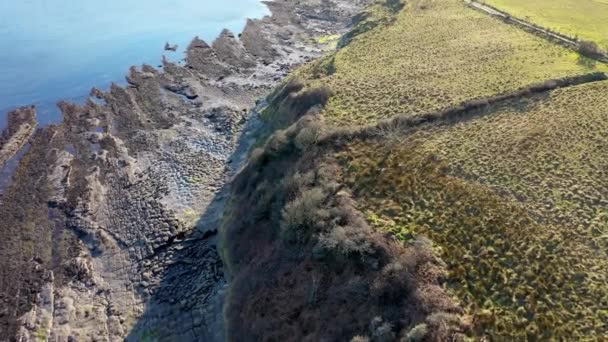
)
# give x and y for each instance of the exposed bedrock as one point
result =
(231, 50)
(111, 217)
(21, 125)
(202, 58)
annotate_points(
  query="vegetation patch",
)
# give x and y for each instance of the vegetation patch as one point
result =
(434, 55)
(306, 265)
(514, 200)
(289, 102)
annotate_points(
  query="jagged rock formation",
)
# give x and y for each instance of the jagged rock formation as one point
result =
(230, 50)
(110, 218)
(21, 126)
(202, 58)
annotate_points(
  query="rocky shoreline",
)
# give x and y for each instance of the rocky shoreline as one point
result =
(111, 216)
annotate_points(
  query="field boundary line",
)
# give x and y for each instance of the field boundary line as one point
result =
(465, 111)
(538, 30)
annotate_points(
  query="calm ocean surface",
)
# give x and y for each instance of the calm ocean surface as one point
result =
(53, 50)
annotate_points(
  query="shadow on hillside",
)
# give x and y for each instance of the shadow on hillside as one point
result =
(188, 303)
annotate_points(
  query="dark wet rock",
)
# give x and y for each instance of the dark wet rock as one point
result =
(182, 89)
(169, 47)
(323, 11)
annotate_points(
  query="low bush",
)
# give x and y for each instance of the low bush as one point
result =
(294, 184)
(347, 240)
(417, 333)
(302, 216)
(589, 49)
(302, 102)
(308, 136)
(325, 67)
(394, 283)
(382, 331)
(293, 100)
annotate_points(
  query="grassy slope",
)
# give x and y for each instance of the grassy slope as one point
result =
(587, 19)
(474, 188)
(436, 54)
(515, 200)
(512, 198)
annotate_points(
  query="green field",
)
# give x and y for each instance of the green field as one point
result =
(585, 19)
(516, 202)
(435, 54)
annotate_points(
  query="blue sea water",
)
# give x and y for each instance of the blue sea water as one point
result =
(53, 50)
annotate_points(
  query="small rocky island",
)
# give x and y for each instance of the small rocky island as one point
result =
(169, 47)
(109, 219)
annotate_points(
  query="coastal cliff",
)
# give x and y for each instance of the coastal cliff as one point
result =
(110, 218)
(335, 172)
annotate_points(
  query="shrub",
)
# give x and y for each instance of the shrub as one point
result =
(348, 233)
(394, 283)
(417, 333)
(292, 86)
(326, 174)
(263, 199)
(277, 142)
(292, 102)
(301, 215)
(256, 156)
(442, 325)
(348, 240)
(323, 68)
(304, 101)
(294, 184)
(390, 131)
(308, 136)
(590, 49)
(381, 331)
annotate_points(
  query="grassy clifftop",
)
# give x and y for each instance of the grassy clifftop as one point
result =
(432, 55)
(585, 19)
(492, 210)
(516, 203)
